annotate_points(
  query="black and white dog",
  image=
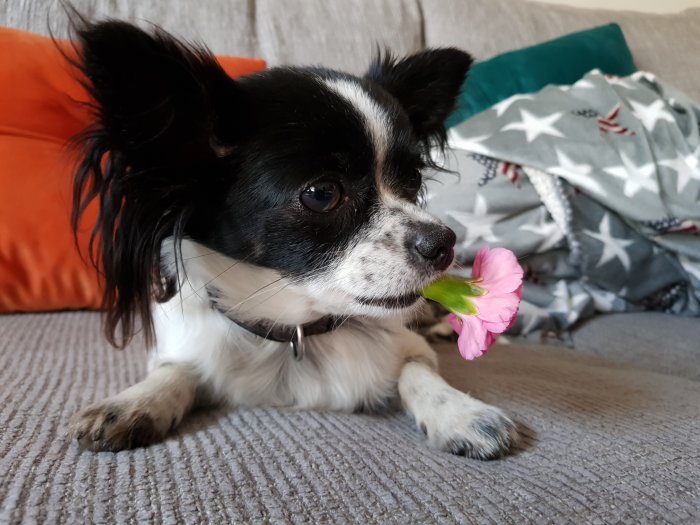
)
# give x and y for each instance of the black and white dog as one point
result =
(265, 235)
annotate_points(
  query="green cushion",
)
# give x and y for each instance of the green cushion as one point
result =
(563, 60)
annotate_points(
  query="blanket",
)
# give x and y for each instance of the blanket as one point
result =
(595, 186)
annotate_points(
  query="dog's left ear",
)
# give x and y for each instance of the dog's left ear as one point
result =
(425, 84)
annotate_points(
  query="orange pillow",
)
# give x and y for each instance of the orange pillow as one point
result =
(40, 266)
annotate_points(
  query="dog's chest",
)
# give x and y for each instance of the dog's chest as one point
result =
(355, 366)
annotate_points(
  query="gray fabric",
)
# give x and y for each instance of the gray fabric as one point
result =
(225, 26)
(616, 162)
(339, 33)
(343, 33)
(668, 45)
(663, 343)
(603, 443)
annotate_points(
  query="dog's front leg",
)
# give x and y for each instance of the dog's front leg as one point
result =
(451, 420)
(140, 415)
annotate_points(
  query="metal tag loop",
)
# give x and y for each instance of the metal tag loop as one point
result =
(297, 343)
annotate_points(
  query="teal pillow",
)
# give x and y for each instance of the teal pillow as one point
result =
(563, 60)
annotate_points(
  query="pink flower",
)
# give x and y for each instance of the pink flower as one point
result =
(497, 272)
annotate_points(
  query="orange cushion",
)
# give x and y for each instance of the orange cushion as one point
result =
(40, 266)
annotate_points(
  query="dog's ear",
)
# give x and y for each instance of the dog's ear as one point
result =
(150, 158)
(158, 99)
(425, 84)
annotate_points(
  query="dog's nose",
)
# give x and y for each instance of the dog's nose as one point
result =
(437, 246)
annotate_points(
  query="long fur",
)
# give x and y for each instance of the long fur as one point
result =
(142, 160)
(282, 197)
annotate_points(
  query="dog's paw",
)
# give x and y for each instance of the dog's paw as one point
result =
(115, 425)
(466, 427)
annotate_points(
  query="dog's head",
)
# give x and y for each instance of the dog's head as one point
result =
(312, 173)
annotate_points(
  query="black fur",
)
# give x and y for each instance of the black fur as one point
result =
(424, 84)
(179, 149)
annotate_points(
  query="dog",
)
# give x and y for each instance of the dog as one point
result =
(265, 236)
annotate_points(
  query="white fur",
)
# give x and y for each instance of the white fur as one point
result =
(202, 355)
(352, 366)
(373, 115)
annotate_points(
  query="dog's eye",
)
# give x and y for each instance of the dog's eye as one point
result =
(412, 185)
(321, 196)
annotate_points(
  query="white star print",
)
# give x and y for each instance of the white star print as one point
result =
(551, 234)
(693, 159)
(471, 144)
(635, 177)
(567, 303)
(503, 106)
(480, 206)
(533, 314)
(617, 81)
(576, 174)
(613, 247)
(651, 114)
(685, 167)
(603, 300)
(643, 75)
(534, 126)
(477, 226)
(584, 83)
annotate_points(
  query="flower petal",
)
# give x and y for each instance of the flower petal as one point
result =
(498, 268)
(472, 341)
(497, 311)
(490, 339)
(455, 323)
(478, 261)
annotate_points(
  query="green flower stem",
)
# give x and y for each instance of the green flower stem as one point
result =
(454, 293)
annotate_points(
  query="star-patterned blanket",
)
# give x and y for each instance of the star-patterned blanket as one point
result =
(595, 186)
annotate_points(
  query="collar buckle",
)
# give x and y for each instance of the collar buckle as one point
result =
(298, 344)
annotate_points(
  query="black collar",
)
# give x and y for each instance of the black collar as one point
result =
(284, 333)
(293, 335)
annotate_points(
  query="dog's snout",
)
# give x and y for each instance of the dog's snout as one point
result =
(436, 245)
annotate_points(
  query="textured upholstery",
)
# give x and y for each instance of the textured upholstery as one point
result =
(663, 343)
(345, 33)
(602, 443)
(339, 33)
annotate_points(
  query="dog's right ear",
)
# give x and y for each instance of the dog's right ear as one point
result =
(157, 98)
(150, 158)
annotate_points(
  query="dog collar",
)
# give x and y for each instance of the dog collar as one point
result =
(293, 335)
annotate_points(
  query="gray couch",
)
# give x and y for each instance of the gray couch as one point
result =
(611, 430)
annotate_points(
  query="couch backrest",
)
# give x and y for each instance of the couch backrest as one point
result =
(667, 45)
(345, 33)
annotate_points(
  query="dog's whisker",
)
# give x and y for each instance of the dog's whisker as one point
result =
(273, 293)
(199, 256)
(274, 323)
(301, 233)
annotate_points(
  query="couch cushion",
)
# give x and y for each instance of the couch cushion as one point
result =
(602, 443)
(40, 268)
(343, 34)
(563, 60)
(663, 44)
(654, 341)
(226, 26)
